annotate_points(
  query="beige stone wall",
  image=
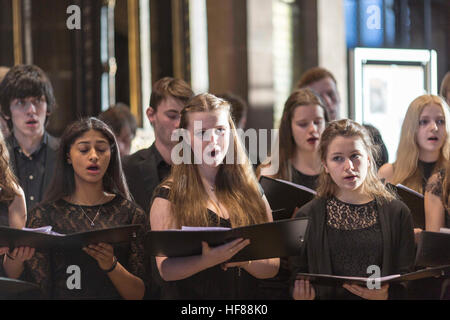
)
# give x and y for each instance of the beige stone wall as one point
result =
(332, 46)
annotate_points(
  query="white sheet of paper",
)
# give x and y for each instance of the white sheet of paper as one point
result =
(45, 229)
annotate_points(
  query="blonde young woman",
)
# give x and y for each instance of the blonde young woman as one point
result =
(209, 190)
(424, 144)
(354, 222)
(13, 213)
(303, 121)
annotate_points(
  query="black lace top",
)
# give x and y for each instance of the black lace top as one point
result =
(4, 221)
(427, 170)
(49, 268)
(4, 213)
(304, 179)
(435, 188)
(212, 283)
(355, 240)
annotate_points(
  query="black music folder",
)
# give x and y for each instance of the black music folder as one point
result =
(433, 249)
(12, 288)
(10, 237)
(267, 240)
(284, 196)
(330, 280)
(414, 201)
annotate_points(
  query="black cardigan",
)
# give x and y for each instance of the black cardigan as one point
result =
(398, 244)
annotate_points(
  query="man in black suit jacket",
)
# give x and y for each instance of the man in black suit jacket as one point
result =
(146, 168)
(26, 98)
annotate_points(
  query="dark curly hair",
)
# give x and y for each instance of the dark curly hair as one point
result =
(24, 81)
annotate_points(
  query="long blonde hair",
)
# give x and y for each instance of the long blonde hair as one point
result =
(286, 142)
(236, 186)
(8, 181)
(406, 170)
(372, 185)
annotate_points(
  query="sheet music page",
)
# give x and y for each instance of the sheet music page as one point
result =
(298, 186)
(380, 279)
(187, 228)
(45, 229)
(409, 190)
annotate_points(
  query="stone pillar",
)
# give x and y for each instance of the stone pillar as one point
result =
(332, 47)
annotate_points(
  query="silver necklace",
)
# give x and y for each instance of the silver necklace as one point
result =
(96, 215)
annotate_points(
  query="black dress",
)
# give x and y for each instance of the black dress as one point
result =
(4, 221)
(50, 268)
(427, 170)
(4, 213)
(212, 283)
(430, 288)
(304, 179)
(320, 253)
(436, 189)
(277, 288)
(355, 241)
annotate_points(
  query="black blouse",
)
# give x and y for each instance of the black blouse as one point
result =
(4, 213)
(397, 244)
(50, 268)
(427, 170)
(304, 179)
(4, 221)
(354, 238)
(212, 283)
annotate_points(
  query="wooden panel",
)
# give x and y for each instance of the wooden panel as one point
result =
(134, 59)
(6, 33)
(49, 46)
(161, 39)
(69, 57)
(227, 47)
(180, 39)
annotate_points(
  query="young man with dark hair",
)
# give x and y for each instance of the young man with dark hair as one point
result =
(123, 123)
(26, 99)
(239, 109)
(146, 168)
(324, 84)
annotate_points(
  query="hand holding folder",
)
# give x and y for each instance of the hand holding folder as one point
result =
(330, 280)
(12, 238)
(284, 196)
(267, 240)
